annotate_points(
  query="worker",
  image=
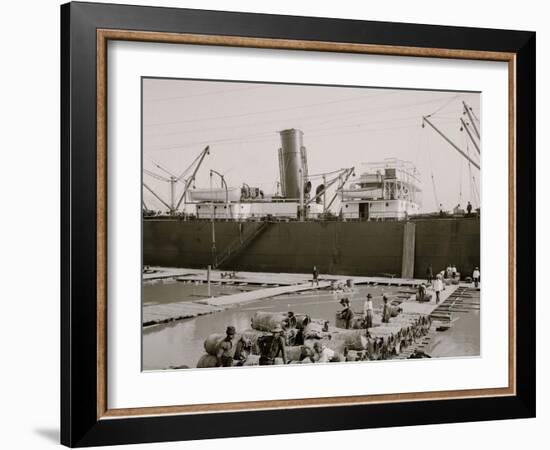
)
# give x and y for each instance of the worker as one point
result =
(438, 287)
(469, 208)
(449, 271)
(453, 271)
(429, 274)
(289, 321)
(242, 351)
(223, 354)
(386, 312)
(476, 276)
(272, 346)
(315, 279)
(368, 311)
(299, 337)
(441, 212)
(346, 314)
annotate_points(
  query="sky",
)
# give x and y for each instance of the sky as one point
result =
(342, 126)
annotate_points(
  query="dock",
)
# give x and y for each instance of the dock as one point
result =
(269, 278)
(164, 313)
(252, 296)
(271, 285)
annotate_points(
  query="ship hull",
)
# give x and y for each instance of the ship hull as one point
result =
(347, 248)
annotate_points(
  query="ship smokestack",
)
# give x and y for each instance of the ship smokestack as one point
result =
(292, 158)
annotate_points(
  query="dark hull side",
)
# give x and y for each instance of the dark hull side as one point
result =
(347, 248)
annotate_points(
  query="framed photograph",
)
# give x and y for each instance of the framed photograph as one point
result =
(277, 224)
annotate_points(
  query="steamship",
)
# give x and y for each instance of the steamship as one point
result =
(354, 220)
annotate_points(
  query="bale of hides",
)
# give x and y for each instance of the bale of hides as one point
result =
(448, 281)
(266, 321)
(396, 310)
(427, 298)
(211, 343)
(350, 339)
(207, 361)
(294, 352)
(315, 326)
(356, 322)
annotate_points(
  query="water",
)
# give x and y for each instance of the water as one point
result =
(463, 338)
(170, 290)
(181, 343)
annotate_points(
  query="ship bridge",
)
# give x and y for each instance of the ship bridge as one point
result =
(389, 189)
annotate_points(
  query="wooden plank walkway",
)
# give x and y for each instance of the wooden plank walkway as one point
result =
(269, 278)
(426, 308)
(259, 294)
(163, 313)
(276, 284)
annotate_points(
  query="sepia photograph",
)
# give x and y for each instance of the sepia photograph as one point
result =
(289, 224)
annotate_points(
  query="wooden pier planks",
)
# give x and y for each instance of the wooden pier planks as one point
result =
(251, 296)
(163, 313)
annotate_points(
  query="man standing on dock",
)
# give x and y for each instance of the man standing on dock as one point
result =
(476, 275)
(368, 311)
(429, 274)
(438, 287)
(225, 358)
(315, 279)
(386, 312)
(346, 314)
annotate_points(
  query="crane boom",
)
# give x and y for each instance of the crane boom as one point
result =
(190, 180)
(343, 179)
(470, 134)
(451, 143)
(467, 109)
(155, 194)
(327, 186)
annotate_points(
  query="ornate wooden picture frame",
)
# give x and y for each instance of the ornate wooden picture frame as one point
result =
(86, 418)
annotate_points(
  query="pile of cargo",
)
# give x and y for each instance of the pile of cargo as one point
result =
(314, 340)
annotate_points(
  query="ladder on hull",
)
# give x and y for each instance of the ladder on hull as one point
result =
(238, 245)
